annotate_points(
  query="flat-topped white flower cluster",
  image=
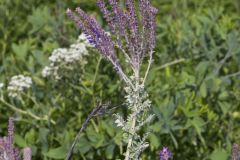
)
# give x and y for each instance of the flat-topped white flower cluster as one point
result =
(18, 84)
(64, 55)
(63, 59)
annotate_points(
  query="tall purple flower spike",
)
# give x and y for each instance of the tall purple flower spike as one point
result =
(7, 149)
(135, 37)
(165, 154)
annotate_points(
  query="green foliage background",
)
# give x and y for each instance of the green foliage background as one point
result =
(194, 83)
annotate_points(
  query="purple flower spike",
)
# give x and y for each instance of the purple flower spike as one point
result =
(27, 153)
(165, 154)
(7, 149)
(133, 35)
(10, 130)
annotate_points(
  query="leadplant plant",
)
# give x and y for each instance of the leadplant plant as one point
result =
(132, 28)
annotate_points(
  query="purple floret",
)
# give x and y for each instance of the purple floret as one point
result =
(165, 154)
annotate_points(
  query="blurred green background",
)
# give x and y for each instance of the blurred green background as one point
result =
(194, 83)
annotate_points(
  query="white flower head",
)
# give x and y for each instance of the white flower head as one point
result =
(1, 85)
(79, 49)
(64, 55)
(82, 37)
(58, 55)
(64, 61)
(18, 84)
(46, 71)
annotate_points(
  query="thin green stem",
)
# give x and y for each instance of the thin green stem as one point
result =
(21, 111)
(25, 112)
(83, 87)
(171, 63)
(96, 72)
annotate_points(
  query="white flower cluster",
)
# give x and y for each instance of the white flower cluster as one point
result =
(18, 84)
(1, 85)
(66, 58)
(46, 71)
(63, 55)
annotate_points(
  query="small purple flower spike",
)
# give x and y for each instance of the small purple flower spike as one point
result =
(165, 154)
(7, 149)
(27, 153)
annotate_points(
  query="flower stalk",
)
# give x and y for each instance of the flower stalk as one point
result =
(132, 130)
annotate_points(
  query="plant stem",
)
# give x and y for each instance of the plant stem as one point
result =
(131, 138)
(148, 68)
(232, 75)
(96, 72)
(172, 63)
(133, 125)
(98, 110)
(26, 112)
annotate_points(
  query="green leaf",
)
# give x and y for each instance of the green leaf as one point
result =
(219, 154)
(43, 134)
(202, 67)
(154, 140)
(110, 151)
(19, 141)
(109, 129)
(198, 124)
(232, 41)
(39, 18)
(118, 138)
(225, 107)
(95, 138)
(21, 50)
(57, 153)
(83, 145)
(223, 95)
(30, 136)
(203, 90)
